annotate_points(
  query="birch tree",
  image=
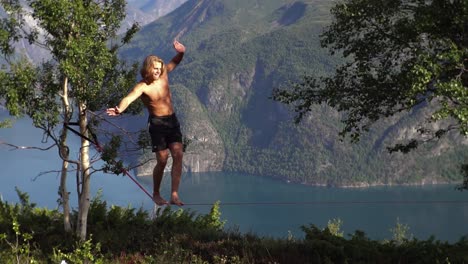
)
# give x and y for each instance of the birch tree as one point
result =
(81, 74)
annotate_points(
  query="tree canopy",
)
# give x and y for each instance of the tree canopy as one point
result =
(81, 74)
(398, 55)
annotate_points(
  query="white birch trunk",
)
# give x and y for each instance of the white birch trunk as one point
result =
(84, 199)
(64, 153)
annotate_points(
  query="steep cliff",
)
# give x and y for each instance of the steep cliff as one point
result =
(237, 53)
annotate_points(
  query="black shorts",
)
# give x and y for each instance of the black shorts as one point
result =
(164, 130)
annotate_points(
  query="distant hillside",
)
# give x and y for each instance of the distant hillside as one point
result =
(139, 11)
(237, 53)
(159, 7)
(146, 11)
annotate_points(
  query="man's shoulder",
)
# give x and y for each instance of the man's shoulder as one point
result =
(141, 85)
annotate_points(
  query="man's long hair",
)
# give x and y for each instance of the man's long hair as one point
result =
(148, 65)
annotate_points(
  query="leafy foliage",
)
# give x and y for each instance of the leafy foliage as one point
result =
(20, 248)
(110, 155)
(84, 252)
(400, 233)
(120, 235)
(399, 57)
(82, 72)
(401, 54)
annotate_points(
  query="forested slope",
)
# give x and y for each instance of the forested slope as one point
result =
(237, 53)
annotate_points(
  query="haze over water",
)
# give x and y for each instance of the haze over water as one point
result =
(260, 205)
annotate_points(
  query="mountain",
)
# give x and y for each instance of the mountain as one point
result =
(160, 7)
(237, 53)
(139, 11)
(146, 11)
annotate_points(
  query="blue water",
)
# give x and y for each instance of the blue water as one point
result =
(249, 203)
(272, 208)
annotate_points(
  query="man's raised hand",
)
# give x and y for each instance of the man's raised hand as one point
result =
(179, 47)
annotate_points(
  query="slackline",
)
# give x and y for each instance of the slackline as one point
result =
(397, 202)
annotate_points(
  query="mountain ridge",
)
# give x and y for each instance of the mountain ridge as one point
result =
(231, 68)
(237, 53)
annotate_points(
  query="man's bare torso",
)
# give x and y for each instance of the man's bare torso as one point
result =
(157, 97)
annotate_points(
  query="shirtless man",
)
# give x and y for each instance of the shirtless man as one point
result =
(164, 127)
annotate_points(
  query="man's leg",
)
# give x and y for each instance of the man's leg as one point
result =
(158, 173)
(176, 171)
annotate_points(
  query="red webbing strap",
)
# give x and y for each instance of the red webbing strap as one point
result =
(137, 183)
(100, 149)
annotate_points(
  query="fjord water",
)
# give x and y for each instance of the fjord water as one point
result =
(261, 205)
(274, 208)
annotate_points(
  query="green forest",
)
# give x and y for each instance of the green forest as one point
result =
(238, 55)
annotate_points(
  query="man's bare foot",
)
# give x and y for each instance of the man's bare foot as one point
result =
(175, 200)
(159, 200)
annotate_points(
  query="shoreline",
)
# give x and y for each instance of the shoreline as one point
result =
(356, 185)
(369, 185)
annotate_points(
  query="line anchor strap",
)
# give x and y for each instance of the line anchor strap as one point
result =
(100, 149)
(95, 141)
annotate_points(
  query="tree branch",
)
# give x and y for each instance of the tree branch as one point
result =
(15, 147)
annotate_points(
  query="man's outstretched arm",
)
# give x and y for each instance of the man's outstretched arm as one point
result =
(180, 48)
(126, 101)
